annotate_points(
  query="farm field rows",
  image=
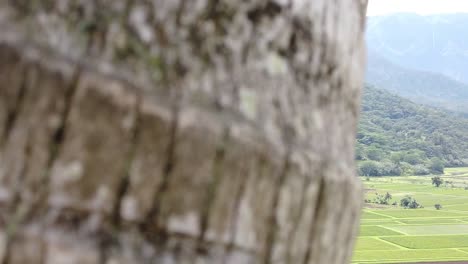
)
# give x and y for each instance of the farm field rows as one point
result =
(392, 234)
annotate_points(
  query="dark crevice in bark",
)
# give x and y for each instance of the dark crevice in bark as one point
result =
(7, 248)
(103, 253)
(125, 181)
(269, 9)
(14, 210)
(235, 211)
(54, 147)
(105, 242)
(273, 221)
(314, 227)
(181, 236)
(43, 251)
(212, 189)
(151, 226)
(23, 213)
(96, 29)
(356, 219)
(17, 185)
(31, 78)
(17, 106)
(180, 13)
(297, 218)
(341, 208)
(126, 13)
(261, 164)
(59, 134)
(301, 33)
(211, 8)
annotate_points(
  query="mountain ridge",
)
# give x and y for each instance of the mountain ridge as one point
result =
(422, 87)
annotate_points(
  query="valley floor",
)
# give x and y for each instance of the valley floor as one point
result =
(391, 234)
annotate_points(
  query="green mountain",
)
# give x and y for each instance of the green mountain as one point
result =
(419, 86)
(397, 136)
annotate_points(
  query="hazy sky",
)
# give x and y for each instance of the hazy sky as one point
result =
(424, 7)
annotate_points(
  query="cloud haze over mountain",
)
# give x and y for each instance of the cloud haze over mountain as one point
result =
(437, 43)
(424, 58)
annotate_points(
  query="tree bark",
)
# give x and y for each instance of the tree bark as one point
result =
(173, 131)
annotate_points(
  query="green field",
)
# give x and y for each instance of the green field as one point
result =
(391, 234)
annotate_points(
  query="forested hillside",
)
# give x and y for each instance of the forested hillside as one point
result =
(397, 137)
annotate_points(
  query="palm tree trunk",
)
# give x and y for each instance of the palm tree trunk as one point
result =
(179, 131)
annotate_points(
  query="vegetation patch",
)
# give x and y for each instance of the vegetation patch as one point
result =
(458, 207)
(408, 213)
(395, 256)
(429, 242)
(370, 243)
(432, 229)
(373, 222)
(370, 215)
(428, 221)
(377, 231)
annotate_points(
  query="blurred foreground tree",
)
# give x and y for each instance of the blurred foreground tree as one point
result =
(173, 131)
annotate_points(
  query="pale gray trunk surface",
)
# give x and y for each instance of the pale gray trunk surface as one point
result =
(173, 131)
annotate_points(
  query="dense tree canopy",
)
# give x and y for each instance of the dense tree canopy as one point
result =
(397, 136)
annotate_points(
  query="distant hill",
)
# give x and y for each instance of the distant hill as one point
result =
(436, 43)
(419, 86)
(397, 136)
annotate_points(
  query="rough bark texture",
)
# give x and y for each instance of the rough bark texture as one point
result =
(171, 131)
